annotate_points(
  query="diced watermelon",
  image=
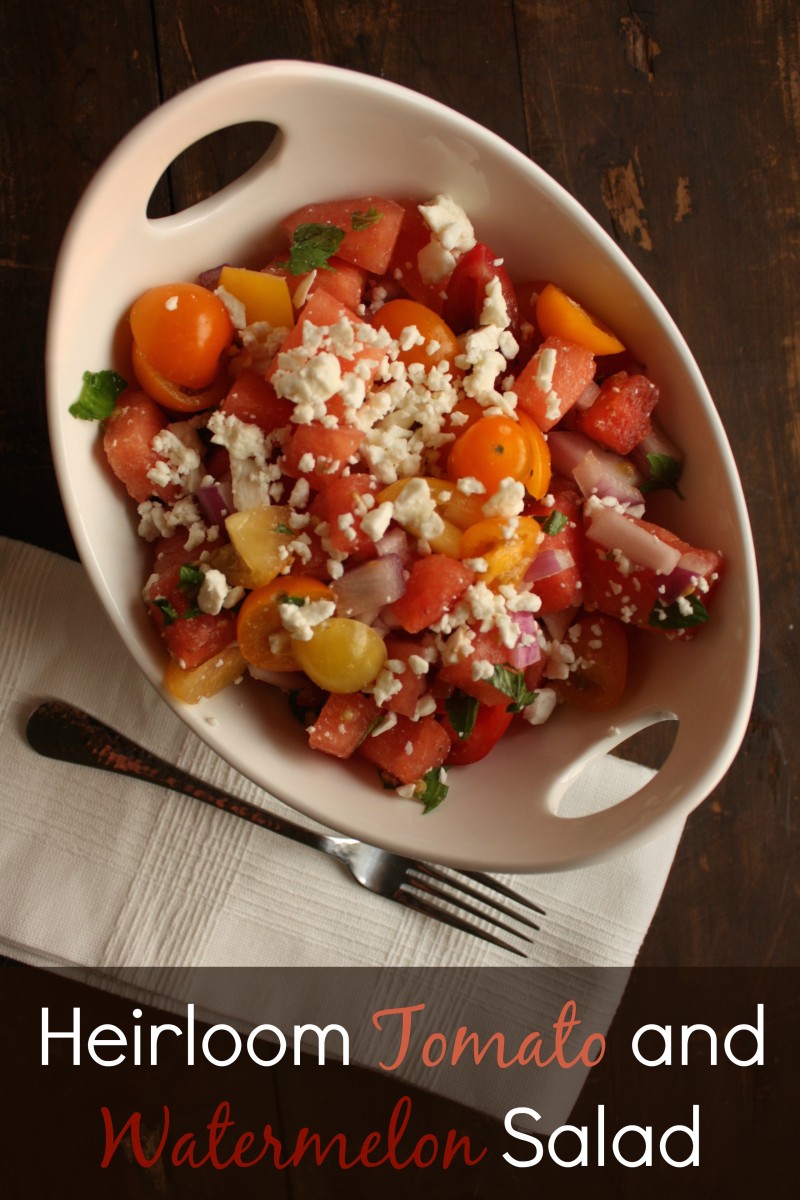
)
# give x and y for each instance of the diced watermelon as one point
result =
(341, 279)
(128, 443)
(343, 496)
(619, 418)
(254, 400)
(327, 449)
(409, 749)
(487, 648)
(545, 396)
(343, 723)
(435, 584)
(412, 685)
(369, 247)
(190, 640)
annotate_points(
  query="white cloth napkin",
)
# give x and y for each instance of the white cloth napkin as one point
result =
(103, 872)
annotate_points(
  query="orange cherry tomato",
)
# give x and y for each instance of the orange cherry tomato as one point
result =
(507, 551)
(538, 479)
(182, 329)
(170, 395)
(558, 315)
(259, 618)
(493, 449)
(397, 315)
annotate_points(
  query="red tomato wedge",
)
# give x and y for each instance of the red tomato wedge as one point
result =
(370, 225)
(600, 645)
(467, 290)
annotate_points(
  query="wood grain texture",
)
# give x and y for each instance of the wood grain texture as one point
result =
(675, 126)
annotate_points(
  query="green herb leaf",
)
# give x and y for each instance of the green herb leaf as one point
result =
(312, 246)
(675, 616)
(360, 220)
(665, 472)
(190, 577)
(461, 710)
(165, 608)
(512, 684)
(298, 601)
(281, 528)
(98, 395)
(432, 792)
(554, 523)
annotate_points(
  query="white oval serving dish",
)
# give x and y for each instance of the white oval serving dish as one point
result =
(345, 134)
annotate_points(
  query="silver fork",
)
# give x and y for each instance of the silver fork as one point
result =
(61, 731)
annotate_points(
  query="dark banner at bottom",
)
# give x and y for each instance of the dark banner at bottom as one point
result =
(437, 1082)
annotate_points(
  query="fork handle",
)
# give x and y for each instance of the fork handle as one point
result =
(61, 731)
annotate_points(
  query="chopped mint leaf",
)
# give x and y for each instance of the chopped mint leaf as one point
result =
(432, 791)
(98, 395)
(190, 577)
(360, 220)
(461, 710)
(371, 727)
(312, 246)
(684, 613)
(512, 684)
(298, 601)
(165, 608)
(191, 611)
(665, 472)
(281, 528)
(554, 523)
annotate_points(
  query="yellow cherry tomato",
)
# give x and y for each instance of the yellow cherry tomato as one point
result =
(439, 343)
(259, 620)
(538, 479)
(507, 547)
(493, 449)
(558, 315)
(342, 655)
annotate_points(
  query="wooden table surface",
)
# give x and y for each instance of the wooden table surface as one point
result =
(676, 124)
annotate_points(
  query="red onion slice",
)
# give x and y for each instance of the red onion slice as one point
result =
(693, 565)
(587, 397)
(656, 442)
(370, 586)
(216, 503)
(596, 471)
(614, 531)
(548, 563)
(524, 655)
(394, 541)
(558, 623)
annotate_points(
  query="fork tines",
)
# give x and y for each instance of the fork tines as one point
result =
(420, 876)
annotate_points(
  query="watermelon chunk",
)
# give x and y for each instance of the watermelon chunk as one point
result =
(550, 383)
(619, 418)
(409, 749)
(370, 225)
(343, 723)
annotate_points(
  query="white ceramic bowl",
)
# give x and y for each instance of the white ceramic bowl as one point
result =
(344, 134)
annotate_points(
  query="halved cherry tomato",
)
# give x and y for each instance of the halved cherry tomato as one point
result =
(440, 343)
(466, 289)
(507, 553)
(491, 722)
(182, 329)
(259, 619)
(493, 449)
(537, 481)
(558, 315)
(600, 645)
(343, 655)
(170, 395)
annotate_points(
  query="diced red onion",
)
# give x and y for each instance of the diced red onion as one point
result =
(210, 277)
(656, 442)
(614, 531)
(548, 563)
(394, 541)
(691, 567)
(605, 474)
(596, 471)
(522, 656)
(216, 502)
(587, 397)
(370, 586)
